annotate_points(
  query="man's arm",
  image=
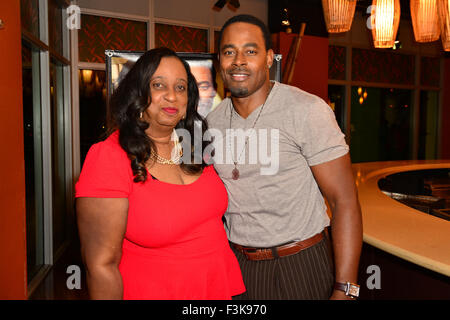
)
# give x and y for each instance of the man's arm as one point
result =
(336, 181)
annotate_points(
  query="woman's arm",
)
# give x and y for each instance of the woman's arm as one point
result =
(101, 224)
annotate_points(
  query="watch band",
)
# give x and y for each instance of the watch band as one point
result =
(350, 289)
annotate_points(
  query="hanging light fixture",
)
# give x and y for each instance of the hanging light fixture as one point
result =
(285, 18)
(338, 14)
(425, 20)
(385, 17)
(444, 20)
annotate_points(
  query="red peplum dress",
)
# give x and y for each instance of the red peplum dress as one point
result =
(175, 245)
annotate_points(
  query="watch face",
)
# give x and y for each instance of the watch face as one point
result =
(353, 290)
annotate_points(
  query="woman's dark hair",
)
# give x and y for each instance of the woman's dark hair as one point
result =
(132, 97)
(251, 20)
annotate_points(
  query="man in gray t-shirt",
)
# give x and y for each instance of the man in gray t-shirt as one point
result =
(277, 150)
(282, 203)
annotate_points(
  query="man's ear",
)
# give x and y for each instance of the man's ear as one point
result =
(270, 56)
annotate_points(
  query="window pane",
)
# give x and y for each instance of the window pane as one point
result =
(92, 109)
(58, 154)
(428, 125)
(29, 16)
(381, 124)
(33, 158)
(336, 96)
(55, 29)
(430, 71)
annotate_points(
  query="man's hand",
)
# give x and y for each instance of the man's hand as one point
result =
(340, 295)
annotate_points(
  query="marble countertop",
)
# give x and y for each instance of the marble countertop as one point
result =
(396, 228)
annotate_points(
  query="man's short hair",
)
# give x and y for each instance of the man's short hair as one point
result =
(246, 18)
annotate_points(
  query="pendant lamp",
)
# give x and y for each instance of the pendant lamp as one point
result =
(338, 14)
(425, 20)
(444, 21)
(385, 17)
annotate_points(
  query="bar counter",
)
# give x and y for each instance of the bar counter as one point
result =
(396, 228)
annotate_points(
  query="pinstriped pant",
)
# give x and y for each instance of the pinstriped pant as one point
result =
(306, 275)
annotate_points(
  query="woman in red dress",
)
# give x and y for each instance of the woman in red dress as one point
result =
(151, 227)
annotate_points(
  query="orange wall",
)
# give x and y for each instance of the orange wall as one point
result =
(311, 69)
(445, 125)
(13, 282)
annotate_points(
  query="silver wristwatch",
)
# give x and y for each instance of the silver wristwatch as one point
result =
(350, 289)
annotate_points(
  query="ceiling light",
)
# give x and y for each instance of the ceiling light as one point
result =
(385, 17)
(338, 14)
(425, 21)
(444, 20)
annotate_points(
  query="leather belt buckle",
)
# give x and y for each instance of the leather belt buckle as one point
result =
(257, 254)
(275, 252)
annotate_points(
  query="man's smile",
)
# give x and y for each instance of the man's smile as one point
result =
(239, 75)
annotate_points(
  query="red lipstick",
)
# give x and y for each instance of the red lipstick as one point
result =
(170, 110)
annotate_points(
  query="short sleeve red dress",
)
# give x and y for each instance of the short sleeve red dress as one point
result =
(175, 245)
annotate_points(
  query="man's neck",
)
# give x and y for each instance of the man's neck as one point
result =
(246, 105)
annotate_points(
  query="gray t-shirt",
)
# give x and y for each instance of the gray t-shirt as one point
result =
(276, 198)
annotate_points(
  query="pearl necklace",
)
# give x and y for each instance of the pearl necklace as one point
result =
(175, 158)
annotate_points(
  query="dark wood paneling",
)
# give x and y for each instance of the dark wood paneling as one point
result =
(400, 279)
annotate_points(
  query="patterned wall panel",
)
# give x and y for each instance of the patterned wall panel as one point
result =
(29, 16)
(430, 71)
(382, 67)
(180, 38)
(100, 33)
(336, 63)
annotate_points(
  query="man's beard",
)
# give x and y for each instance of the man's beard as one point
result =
(239, 92)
